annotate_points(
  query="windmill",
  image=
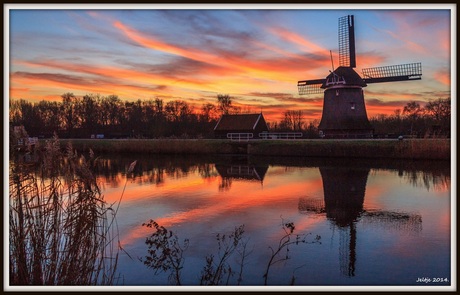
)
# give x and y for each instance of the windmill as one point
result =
(344, 112)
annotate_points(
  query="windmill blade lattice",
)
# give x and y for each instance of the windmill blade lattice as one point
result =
(347, 54)
(403, 72)
(310, 86)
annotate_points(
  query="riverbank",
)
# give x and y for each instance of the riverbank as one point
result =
(420, 149)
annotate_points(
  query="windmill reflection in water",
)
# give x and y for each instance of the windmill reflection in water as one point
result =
(344, 191)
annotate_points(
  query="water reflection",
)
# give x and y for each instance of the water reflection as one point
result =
(197, 193)
(368, 205)
(344, 192)
(239, 168)
(152, 169)
(344, 188)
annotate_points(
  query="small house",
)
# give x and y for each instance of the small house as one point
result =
(241, 123)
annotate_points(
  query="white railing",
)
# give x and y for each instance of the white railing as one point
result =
(28, 141)
(32, 140)
(241, 170)
(240, 136)
(280, 135)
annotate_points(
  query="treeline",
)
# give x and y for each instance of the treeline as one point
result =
(75, 117)
(93, 114)
(430, 120)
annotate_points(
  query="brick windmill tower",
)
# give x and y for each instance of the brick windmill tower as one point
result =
(344, 111)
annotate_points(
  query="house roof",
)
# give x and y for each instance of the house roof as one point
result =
(238, 122)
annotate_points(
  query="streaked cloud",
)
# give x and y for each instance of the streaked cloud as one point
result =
(303, 43)
(256, 56)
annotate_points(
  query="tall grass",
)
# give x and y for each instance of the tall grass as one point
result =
(61, 229)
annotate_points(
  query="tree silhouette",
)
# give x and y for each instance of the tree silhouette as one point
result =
(224, 103)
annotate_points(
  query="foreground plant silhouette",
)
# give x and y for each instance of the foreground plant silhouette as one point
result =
(284, 243)
(61, 229)
(217, 266)
(166, 254)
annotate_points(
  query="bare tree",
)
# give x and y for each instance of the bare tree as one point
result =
(439, 110)
(293, 120)
(208, 112)
(225, 103)
(412, 111)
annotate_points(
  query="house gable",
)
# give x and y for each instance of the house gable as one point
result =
(242, 123)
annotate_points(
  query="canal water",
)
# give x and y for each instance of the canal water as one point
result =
(301, 221)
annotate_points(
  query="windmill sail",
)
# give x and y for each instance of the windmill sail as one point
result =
(347, 54)
(310, 86)
(403, 72)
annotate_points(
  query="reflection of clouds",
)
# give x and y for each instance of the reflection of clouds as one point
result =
(188, 199)
(251, 196)
(190, 204)
(113, 172)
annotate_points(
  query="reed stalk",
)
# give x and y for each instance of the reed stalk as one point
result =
(59, 223)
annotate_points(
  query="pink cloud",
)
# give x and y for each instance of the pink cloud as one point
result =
(442, 77)
(303, 43)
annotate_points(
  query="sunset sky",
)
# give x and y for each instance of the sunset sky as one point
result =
(256, 54)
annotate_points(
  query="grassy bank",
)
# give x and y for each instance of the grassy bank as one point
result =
(433, 149)
(152, 146)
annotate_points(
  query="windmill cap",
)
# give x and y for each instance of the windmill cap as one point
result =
(349, 75)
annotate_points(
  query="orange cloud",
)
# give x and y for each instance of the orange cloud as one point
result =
(19, 92)
(265, 73)
(252, 69)
(104, 80)
(115, 73)
(368, 60)
(161, 46)
(65, 86)
(374, 111)
(442, 77)
(305, 45)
